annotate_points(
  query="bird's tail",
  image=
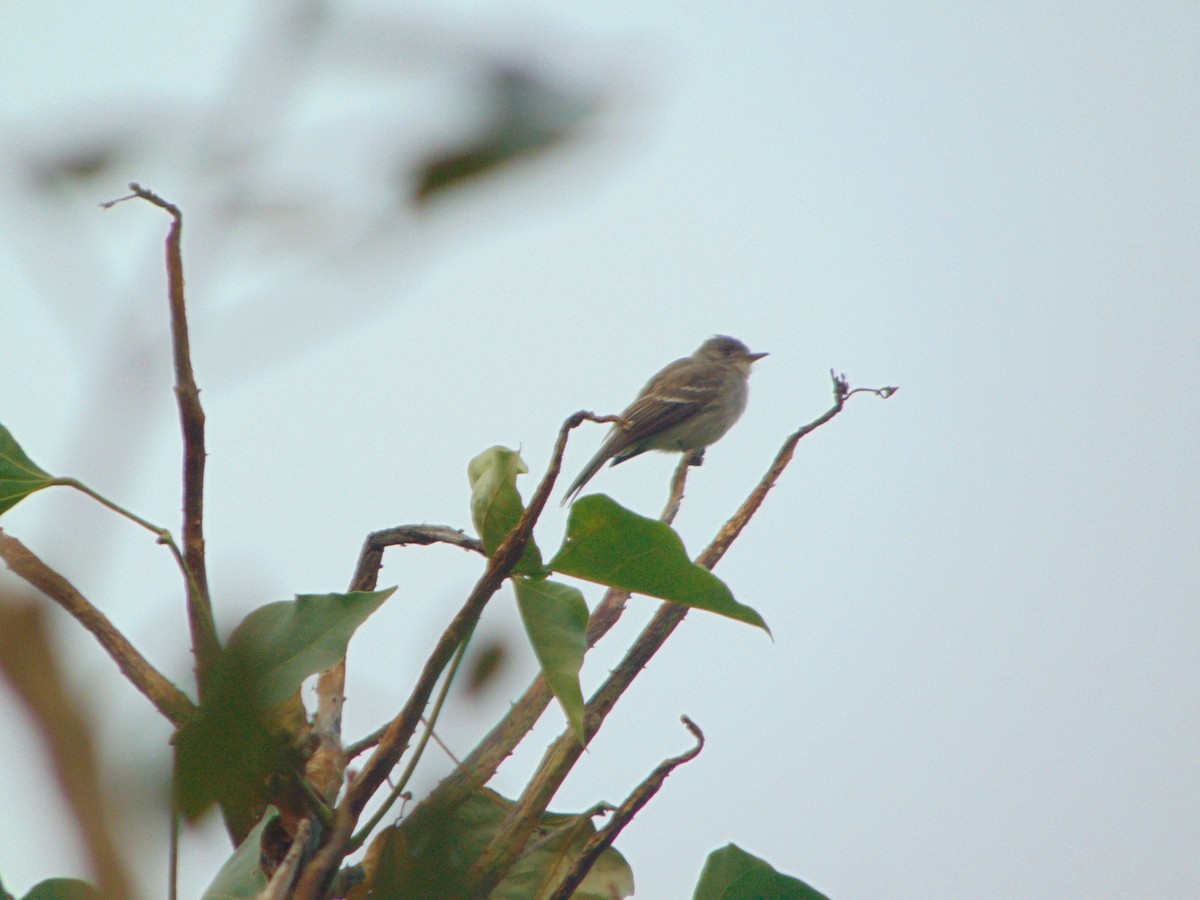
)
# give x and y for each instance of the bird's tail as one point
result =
(589, 472)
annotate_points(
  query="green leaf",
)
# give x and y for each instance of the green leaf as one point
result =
(242, 877)
(429, 854)
(20, 476)
(733, 874)
(286, 641)
(611, 545)
(62, 889)
(233, 751)
(244, 744)
(556, 617)
(496, 503)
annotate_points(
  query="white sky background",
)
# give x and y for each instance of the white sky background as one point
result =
(983, 592)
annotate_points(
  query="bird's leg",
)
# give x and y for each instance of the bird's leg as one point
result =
(696, 457)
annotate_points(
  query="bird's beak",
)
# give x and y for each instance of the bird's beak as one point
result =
(755, 357)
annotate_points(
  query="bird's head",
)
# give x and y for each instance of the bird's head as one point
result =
(722, 348)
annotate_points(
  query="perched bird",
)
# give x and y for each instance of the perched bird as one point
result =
(687, 406)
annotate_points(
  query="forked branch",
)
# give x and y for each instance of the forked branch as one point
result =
(399, 732)
(561, 756)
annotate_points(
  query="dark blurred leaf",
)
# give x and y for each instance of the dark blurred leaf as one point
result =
(242, 875)
(78, 164)
(228, 753)
(527, 116)
(63, 889)
(611, 545)
(19, 475)
(733, 874)
(496, 503)
(430, 853)
(487, 661)
(243, 747)
(556, 617)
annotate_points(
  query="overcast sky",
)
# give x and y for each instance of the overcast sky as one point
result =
(983, 592)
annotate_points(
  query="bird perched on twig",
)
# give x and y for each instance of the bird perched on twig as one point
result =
(684, 408)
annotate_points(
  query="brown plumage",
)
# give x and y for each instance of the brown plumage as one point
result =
(687, 406)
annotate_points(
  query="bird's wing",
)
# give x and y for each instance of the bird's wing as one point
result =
(663, 405)
(657, 408)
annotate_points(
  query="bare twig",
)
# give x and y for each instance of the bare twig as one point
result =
(205, 644)
(28, 663)
(498, 857)
(328, 761)
(399, 732)
(167, 699)
(281, 882)
(499, 743)
(370, 560)
(623, 815)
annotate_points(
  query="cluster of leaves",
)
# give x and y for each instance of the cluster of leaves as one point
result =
(245, 746)
(605, 544)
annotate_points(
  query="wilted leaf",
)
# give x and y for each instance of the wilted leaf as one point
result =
(19, 475)
(733, 874)
(431, 852)
(613, 546)
(242, 875)
(556, 617)
(496, 503)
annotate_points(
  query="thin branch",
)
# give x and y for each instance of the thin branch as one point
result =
(398, 789)
(623, 815)
(370, 560)
(167, 699)
(205, 644)
(29, 665)
(499, 743)
(396, 739)
(173, 854)
(498, 857)
(327, 763)
(162, 535)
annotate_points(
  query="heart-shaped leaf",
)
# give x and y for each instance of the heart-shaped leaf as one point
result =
(614, 546)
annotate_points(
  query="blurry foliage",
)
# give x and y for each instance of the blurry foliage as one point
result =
(427, 856)
(252, 718)
(526, 116)
(242, 876)
(246, 746)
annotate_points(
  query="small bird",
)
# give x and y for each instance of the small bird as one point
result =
(685, 407)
